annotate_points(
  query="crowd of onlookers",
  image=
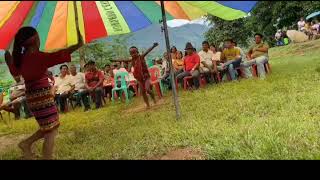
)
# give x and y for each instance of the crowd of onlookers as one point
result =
(310, 28)
(72, 88)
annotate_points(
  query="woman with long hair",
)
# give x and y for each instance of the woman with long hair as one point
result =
(32, 64)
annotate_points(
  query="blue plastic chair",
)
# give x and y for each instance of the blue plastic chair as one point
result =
(124, 85)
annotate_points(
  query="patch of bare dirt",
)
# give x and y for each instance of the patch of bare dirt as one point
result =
(181, 154)
(10, 141)
(143, 108)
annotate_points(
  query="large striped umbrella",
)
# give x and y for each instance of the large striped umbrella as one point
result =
(55, 20)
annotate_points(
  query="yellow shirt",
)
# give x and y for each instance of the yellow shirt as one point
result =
(256, 53)
(178, 63)
(230, 54)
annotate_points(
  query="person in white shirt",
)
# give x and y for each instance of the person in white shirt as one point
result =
(301, 24)
(63, 87)
(206, 64)
(80, 90)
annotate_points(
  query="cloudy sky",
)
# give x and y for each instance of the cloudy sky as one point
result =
(181, 22)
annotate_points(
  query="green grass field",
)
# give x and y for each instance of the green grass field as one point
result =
(276, 118)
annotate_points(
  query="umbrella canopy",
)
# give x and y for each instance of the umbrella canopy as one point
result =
(315, 14)
(55, 20)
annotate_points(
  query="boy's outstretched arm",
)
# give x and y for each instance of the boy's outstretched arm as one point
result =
(150, 49)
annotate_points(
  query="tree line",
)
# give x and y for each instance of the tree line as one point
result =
(266, 18)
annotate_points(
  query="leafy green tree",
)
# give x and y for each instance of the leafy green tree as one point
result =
(222, 30)
(265, 18)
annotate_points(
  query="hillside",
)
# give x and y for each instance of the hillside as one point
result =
(178, 37)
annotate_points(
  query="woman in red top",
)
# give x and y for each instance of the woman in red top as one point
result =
(191, 66)
(32, 65)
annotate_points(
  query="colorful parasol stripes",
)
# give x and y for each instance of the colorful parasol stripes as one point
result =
(55, 20)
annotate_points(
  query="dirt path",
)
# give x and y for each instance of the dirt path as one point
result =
(142, 107)
(10, 141)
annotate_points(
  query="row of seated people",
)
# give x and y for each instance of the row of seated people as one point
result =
(16, 102)
(69, 85)
(214, 64)
(78, 86)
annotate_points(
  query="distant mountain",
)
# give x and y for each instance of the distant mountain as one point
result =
(179, 36)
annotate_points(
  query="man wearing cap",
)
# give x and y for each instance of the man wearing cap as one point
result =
(258, 54)
(191, 66)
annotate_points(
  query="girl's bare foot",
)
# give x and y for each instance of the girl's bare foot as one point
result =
(26, 151)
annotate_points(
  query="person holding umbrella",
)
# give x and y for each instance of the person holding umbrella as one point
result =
(32, 64)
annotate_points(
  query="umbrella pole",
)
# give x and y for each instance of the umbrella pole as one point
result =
(76, 14)
(173, 83)
(81, 51)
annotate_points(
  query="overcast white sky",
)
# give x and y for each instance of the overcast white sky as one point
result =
(181, 22)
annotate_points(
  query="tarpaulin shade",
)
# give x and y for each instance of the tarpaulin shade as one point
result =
(55, 20)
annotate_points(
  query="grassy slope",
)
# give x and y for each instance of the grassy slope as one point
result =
(272, 119)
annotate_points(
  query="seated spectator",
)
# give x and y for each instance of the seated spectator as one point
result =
(165, 78)
(206, 64)
(177, 60)
(51, 78)
(278, 37)
(191, 66)
(314, 29)
(108, 80)
(94, 83)
(51, 81)
(216, 58)
(79, 83)
(17, 99)
(119, 68)
(258, 55)
(131, 76)
(243, 55)
(216, 53)
(165, 63)
(301, 24)
(175, 54)
(231, 59)
(158, 64)
(308, 30)
(63, 87)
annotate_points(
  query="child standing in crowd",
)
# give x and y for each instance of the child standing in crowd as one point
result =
(32, 65)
